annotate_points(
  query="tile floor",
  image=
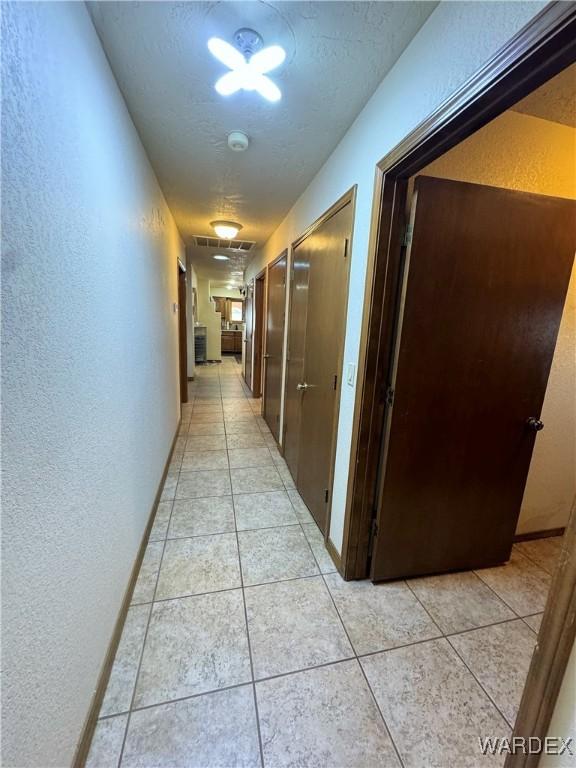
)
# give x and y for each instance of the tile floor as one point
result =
(244, 647)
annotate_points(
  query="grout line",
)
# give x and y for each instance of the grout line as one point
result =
(247, 632)
(458, 654)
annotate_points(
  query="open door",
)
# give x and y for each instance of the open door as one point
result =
(485, 281)
(182, 334)
(275, 317)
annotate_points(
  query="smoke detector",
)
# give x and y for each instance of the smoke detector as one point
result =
(238, 141)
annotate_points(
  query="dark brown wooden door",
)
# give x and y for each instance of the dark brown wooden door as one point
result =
(258, 335)
(182, 336)
(249, 319)
(327, 300)
(318, 301)
(485, 282)
(275, 317)
(300, 274)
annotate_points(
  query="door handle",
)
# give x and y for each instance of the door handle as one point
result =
(535, 424)
(266, 356)
(305, 386)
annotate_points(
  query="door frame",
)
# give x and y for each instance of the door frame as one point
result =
(349, 197)
(182, 333)
(540, 50)
(283, 255)
(258, 318)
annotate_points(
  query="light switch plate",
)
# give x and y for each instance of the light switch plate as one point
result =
(350, 374)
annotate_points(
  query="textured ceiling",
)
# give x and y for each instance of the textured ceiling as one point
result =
(555, 100)
(338, 52)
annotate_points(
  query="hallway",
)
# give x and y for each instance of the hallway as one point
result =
(244, 647)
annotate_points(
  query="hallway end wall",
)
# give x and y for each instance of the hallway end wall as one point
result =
(455, 41)
(90, 368)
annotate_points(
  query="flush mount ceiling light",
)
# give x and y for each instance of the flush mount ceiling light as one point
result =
(227, 230)
(249, 62)
(221, 257)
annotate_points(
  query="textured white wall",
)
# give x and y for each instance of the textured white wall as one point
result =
(90, 384)
(517, 151)
(453, 43)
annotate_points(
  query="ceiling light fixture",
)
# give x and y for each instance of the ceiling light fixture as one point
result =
(227, 230)
(221, 257)
(249, 63)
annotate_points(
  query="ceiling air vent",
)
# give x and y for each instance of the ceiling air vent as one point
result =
(216, 242)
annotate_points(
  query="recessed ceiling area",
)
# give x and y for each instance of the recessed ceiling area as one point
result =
(554, 100)
(337, 53)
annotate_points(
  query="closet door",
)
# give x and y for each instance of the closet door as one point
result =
(319, 294)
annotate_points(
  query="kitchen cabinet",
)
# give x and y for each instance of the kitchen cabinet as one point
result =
(232, 342)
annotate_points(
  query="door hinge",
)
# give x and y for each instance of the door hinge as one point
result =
(335, 380)
(346, 248)
(389, 396)
(326, 496)
(407, 236)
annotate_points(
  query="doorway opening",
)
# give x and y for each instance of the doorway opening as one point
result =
(182, 333)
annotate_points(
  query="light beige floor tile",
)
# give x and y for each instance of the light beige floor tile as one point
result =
(499, 657)
(169, 488)
(243, 458)
(255, 480)
(107, 742)
(543, 552)
(197, 460)
(146, 581)
(242, 427)
(244, 441)
(120, 688)
(216, 729)
(534, 622)
(263, 510)
(380, 616)
(520, 584)
(293, 625)
(201, 564)
(272, 554)
(198, 517)
(208, 417)
(206, 428)
(240, 418)
(194, 645)
(324, 718)
(284, 472)
(433, 706)
(316, 541)
(206, 443)
(459, 601)
(161, 519)
(302, 511)
(196, 485)
(206, 408)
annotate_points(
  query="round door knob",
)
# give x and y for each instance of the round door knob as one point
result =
(302, 386)
(535, 424)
